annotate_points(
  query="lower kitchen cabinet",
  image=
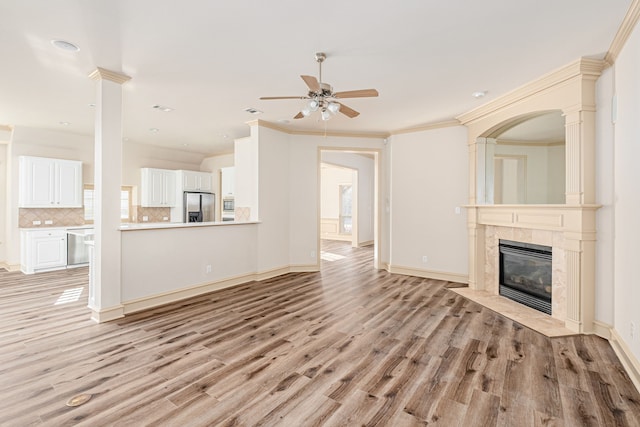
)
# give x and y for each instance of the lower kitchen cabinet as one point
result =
(43, 250)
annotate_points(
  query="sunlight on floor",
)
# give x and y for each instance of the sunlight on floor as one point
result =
(328, 256)
(69, 295)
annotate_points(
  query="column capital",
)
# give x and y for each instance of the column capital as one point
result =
(104, 74)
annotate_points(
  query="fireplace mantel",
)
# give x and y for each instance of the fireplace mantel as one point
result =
(569, 229)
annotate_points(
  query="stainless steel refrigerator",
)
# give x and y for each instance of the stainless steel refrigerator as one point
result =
(199, 207)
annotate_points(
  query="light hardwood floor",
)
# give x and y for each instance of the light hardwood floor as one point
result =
(347, 346)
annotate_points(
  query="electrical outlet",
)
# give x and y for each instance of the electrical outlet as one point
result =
(313, 254)
(37, 222)
(165, 218)
(48, 222)
(145, 218)
(424, 259)
(209, 268)
(457, 210)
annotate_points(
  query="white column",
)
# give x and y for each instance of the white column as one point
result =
(105, 302)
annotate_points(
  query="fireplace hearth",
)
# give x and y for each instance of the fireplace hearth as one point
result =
(525, 274)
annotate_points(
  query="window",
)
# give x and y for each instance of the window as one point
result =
(125, 203)
(345, 209)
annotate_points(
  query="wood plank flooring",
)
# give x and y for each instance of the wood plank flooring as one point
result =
(347, 346)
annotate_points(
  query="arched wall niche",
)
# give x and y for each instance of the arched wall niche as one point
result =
(569, 226)
(524, 160)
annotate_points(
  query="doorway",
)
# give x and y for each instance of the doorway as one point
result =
(348, 199)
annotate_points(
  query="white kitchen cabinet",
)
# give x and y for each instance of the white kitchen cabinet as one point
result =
(43, 250)
(228, 181)
(158, 188)
(195, 181)
(50, 183)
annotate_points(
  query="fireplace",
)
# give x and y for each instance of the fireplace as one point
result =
(525, 274)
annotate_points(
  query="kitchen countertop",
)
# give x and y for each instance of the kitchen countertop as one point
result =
(163, 225)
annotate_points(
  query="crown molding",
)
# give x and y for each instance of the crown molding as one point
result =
(270, 125)
(427, 126)
(626, 28)
(587, 67)
(104, 74)
(6, 128)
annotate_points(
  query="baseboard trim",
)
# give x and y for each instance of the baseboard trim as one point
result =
(429, 274)
(626, 356)
(304, 268)
(603, 330)
(9, 267)
(107, 314)
(268, 274)
(365, 243)
(152, 301)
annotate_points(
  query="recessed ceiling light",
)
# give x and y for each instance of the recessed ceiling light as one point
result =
(162, 108)
(65, 45)
(65, 123)
(252, 110)
(154, 130)
(479, 94)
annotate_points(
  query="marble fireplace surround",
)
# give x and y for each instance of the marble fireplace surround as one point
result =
(568, 230)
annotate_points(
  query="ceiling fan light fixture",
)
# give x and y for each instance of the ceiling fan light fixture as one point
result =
(306, 111)
(313, 105)
(326, 115)
(333, 107)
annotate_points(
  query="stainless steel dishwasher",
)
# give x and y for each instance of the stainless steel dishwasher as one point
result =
(77, 251)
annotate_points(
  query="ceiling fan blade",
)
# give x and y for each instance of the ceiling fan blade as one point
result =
(312, 82)
(349, 112)
(298, 116)
(283, 97)
(362, 93)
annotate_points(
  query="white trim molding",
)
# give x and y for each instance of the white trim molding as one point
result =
(107, 314)
(626, 28)
(429, 274)
(153, 301)
(628, 360)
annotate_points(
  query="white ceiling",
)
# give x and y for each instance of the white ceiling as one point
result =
(210, 59)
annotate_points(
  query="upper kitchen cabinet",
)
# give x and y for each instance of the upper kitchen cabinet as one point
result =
(50, 183)
(158, 188)
(195, 181)
(228, 181)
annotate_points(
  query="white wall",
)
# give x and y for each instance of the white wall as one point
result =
(3, 200)
(605, 194)
(429, 179)
(151, 266)
(627, 193)
(274, 178)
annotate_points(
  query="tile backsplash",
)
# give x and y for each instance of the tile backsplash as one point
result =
(59, 217)
(152, 214)
(69, 217)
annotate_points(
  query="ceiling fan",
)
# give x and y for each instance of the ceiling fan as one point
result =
(322, 97)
